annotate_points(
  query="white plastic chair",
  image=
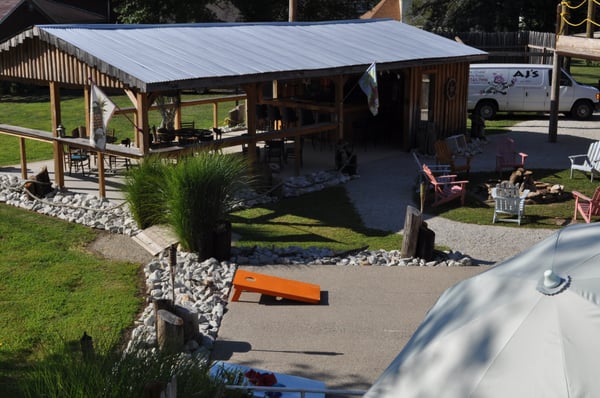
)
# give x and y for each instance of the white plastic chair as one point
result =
(508, 199)
(589, 162)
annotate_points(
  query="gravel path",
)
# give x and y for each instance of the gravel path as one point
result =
(385, 208)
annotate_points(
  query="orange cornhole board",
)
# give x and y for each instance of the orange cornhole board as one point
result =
(245, 281)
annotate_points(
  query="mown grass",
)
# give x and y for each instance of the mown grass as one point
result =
(53, 289)
(321, 219)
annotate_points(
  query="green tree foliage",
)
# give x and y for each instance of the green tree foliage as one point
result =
(484, 16)
(163, 11)
(306, 10)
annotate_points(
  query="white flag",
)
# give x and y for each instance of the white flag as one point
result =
(368, 84)
(101, 110)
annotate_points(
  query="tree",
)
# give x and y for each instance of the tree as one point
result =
(307, 10)
(163, 11)
(478, 15)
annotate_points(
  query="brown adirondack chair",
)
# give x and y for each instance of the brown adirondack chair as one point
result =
(586, 206)
(444, 155)
(446, 188)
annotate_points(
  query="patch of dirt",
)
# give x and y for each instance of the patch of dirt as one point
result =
(120, 248)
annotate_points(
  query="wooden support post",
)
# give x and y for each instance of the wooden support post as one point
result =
(297, 154)
(251, 120)
(339, 101)
(23, 155)
(142, 123)
(172, 265)
(101, 177)
(412, 223)
(169, 332)
(59, 176)
(216, 114)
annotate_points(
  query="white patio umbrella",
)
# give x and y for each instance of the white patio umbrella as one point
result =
(528, 327)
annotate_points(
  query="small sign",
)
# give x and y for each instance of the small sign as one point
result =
(156, 238)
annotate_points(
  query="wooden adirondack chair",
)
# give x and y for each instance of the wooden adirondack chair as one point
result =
(507, 157)
(438, 169)
(508, 199)
(587, 206)
(444, 155)
(589, 162)
(446, 188)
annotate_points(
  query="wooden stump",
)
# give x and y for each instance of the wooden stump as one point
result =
(425, 243)
(191, 324)
(169, 332)
(412, 223)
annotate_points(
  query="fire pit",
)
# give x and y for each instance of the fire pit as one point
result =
(539, 191)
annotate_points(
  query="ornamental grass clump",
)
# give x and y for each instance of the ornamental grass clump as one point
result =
(146, 192)
(193, 196)
(65, 372)
(201, 191)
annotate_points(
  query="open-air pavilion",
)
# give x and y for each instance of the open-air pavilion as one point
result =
(303, 66)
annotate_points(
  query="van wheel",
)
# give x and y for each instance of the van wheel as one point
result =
(486, 109)
(582, 110)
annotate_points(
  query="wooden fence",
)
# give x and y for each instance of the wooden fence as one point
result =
(511, 47)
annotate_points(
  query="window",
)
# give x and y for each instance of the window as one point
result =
(427, 97)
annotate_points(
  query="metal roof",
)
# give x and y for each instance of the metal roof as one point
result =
(153, 57)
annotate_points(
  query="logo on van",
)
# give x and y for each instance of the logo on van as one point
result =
(499, 85)
(527, 75)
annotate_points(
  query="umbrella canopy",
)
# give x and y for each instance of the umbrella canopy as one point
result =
(527, 327)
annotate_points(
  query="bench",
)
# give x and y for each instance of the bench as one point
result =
(246, 281)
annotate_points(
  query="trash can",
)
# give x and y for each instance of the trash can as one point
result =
(222, 241)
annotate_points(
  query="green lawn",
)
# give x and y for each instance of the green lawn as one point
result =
(53, 290)
(320, 219)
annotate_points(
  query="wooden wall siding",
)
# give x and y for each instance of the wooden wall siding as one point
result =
(449, 114)
(39, 63)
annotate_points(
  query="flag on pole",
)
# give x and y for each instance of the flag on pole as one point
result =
(368, 84)
(101, 110)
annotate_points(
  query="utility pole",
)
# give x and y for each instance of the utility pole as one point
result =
(292, 11)
(555, 89)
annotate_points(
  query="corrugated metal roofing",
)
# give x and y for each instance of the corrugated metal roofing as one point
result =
(202, 54)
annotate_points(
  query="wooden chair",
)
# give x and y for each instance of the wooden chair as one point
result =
(507, 157)
(586, 206)
(444, 155)
(76, 158)
(589, 162)
(446, 187)
(188, 125)
(508, 199)
(438, 169)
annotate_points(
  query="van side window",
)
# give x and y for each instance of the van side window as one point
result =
(564, 80)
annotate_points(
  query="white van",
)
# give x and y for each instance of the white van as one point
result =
(526, 88)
